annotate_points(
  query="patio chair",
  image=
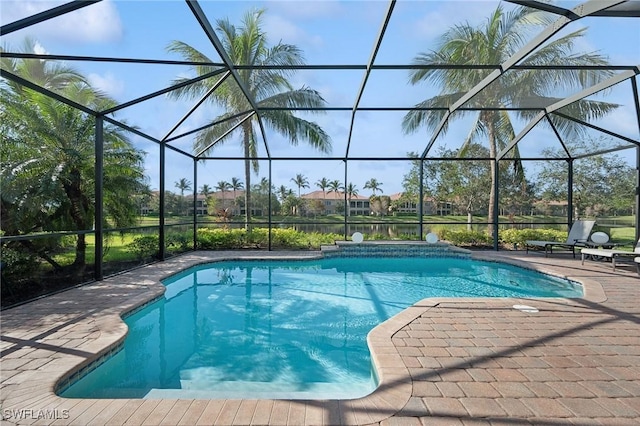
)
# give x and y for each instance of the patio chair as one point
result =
(613, 254)
(578, 237)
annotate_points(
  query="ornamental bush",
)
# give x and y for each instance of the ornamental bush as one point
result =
(465, 237)
(519, 236)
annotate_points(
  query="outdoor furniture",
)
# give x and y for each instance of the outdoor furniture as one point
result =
(578, 237)
(612, 254)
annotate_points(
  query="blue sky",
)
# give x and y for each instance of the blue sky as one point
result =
(329, 32)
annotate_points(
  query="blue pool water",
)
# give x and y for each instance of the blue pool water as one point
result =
(289, 329)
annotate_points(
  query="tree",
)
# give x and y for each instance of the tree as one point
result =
(223, 186)
(380, 204)
(335, 186)
(373, 185)
(47, 154)
(183, 185)
(301, 182)
(323, 184)
(351, 191)
(317, 207)
(601, 184)
(263, 192)
(503, 34)
(461, 182)
(205, 190)
(247, 45)
(236, 185)
(291, 204)
(284, 192)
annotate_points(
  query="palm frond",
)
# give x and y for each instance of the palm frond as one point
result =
(430, 118)
(296, 129)
(211, 134)
(300, 98)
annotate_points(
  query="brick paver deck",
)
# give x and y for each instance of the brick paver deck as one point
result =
(441, 362)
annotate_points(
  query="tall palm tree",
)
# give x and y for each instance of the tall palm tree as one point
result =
(236, 185)
(503, 34)
(351, 191)
(183, 185)
(247, 45)
(284, 192)
(223, 186)
(323, 184)
(335, 186)
(373, 185)
(301, 182)
(205, 190)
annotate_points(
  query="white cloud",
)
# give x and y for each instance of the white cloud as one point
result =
(39, 49)
(281, 29)
(107, 83)
(436, 22)
(99, 22)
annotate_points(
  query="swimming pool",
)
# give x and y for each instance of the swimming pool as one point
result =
(285, 329)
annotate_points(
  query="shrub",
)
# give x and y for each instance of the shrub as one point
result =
(465, 237)
(144, 247)
(17, 263)
(519, 236)
(221, 239)
(217, 239)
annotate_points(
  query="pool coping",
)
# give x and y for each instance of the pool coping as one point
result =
(107, 331)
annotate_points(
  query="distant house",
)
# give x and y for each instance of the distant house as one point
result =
(551, 208)
(333, 202)
(201, 205)
(429, 207)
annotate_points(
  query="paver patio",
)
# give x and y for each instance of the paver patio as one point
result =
(442, 361)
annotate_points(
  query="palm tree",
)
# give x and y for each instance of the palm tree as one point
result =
(373, 185)
(205, 190)
(48, 158)
(223, 186)
(283, 192)
(335, 186)
(51, 75)
(351, 191)
(323, 184)
(236, 185)
(503, 34)
(183, 185)
(247, 45)
(301, 182)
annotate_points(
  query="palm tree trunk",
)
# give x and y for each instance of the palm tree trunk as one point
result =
(247, 178)
(78, 212)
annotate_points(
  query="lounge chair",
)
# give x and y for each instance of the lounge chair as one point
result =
(612, 254)
(578, 237)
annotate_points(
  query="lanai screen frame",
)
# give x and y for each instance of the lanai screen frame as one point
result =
(592, 8)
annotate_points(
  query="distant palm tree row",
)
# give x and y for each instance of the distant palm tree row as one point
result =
(301, 181)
